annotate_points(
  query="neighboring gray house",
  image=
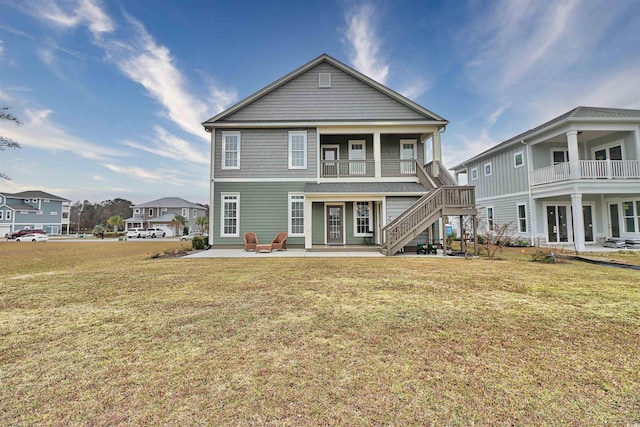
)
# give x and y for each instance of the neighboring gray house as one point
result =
(572, 180)
(333, 158)
(161, 212)
(33, 209)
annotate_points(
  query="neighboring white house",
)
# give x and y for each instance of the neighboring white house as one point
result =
(161, 213)
(572, 180)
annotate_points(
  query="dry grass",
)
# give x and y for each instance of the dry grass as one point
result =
(99, 334)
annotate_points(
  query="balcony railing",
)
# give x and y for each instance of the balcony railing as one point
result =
(366, 168)
(589, 169)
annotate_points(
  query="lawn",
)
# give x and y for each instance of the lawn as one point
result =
(101, 334)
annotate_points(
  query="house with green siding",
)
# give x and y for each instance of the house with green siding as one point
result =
(573, 180)
(333, 158)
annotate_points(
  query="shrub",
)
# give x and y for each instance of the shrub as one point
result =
(199, 242)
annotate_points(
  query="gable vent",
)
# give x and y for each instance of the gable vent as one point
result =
(324, 80)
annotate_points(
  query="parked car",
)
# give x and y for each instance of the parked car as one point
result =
(136, 232)
(190, 236)
(25, 231)
(156, 232)
(32, 237)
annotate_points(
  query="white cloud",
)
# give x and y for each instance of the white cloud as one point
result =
(72, 14)
(1, 48)
(39, 131)
(170, 146)
(137, 172)
(364, 46)
(414, 89)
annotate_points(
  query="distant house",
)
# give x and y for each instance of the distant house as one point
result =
(33, 209)
(334, 158)
(162, 212)
(572, 180)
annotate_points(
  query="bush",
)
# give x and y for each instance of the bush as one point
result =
(199, 242)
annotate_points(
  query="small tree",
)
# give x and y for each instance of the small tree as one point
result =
(97, 229)
(202, 222)
(178, 222)
(496, 238)
(6, 142)
(115, 221)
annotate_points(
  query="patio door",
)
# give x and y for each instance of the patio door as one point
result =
(408, 155)
(330, 157)
(357, 158)
(558, 225)
(335, 225)
(614, 219)
(587, 216)
(609, 153)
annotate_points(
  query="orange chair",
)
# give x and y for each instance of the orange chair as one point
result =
(280, 241)
(250, 241)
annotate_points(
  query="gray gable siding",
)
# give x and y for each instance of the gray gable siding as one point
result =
(264, 153)
(347, 99)
(505, 177)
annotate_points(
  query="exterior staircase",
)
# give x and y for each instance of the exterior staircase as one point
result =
(444, 198)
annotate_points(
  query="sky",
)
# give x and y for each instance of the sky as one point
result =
(112, 94)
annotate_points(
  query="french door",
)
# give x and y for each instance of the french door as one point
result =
(558, 223)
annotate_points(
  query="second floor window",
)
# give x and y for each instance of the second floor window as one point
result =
(8, 216)
(487, 169)
(474, 174)
(230, 150)
(518, 159)
(297, 150)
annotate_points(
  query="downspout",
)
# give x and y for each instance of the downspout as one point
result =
(211, 187)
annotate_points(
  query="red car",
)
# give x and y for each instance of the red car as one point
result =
(21, 233)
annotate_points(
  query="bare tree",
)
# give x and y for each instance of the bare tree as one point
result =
(497, 237)
(6, 142)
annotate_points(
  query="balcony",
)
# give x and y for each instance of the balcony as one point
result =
(589, 169)
(366, 168)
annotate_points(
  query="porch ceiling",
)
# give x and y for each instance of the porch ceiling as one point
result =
(583, 136)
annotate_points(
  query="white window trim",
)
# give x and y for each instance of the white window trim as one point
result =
(474, 171)
(2, 214)
(566, 155)
(222, 197)
(355, 220)
(608, 146)
(185, 212)
(304, 135)
(526, 221)
(224, 151)
(484, 168)
(136, 211)
(515, 157)
(290, 230)
(491, 223)
(150, 212)
(7, 214)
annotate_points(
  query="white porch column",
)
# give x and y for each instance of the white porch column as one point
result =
(637, 135)
(308, 235)
(578, 220)
(574, 155)
(377, 154)
(436, 152)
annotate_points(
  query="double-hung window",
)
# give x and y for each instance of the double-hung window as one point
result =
(362, 217)
(230, 215)
(490, 222)
(522, 218)
(1, 215)
(230, 150)
(8, 216)
(296, 215)
(297, 150)
(631, 216)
